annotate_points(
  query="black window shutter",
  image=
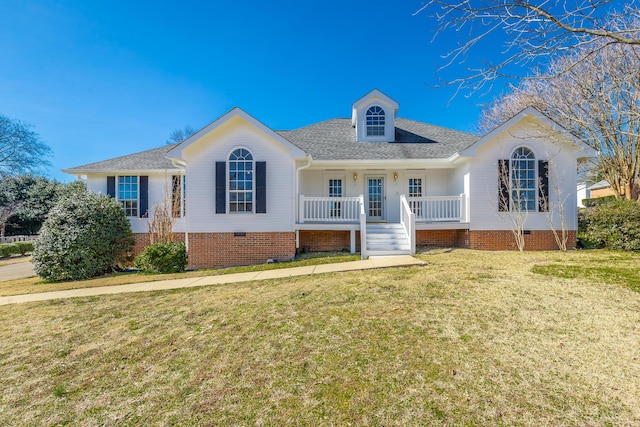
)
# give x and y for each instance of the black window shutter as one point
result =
(261, 187)
(543, 189)
(221, 196)
(144, 197)
(503, 185)
(111, 186)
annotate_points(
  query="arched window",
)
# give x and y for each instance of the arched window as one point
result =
(375, 121)
(524, 180)
(241, 181)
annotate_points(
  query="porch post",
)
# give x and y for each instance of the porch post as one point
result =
(353, 241)
(301, 209)
(463, 208)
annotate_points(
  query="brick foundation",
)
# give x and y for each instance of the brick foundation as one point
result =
(327, 240)
(498, 240)
(142, 241)
(443, 238)
(215, 250)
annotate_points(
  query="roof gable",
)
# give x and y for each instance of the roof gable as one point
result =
(535, 115)
(176, 153)
(375, 93)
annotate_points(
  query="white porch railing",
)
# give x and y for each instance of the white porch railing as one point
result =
(363, 228)
(433, 209)
(329, 209)
(408, 221)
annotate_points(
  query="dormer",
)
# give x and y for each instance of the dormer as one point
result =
(374, 116)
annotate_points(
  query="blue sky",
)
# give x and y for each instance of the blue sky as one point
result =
(100, 79)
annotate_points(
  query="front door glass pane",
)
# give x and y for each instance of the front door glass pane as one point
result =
(375, 193)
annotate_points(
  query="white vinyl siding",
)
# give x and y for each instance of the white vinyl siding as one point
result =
(483, 181)
(201, 158)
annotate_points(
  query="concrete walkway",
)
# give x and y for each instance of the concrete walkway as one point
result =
(371, 263)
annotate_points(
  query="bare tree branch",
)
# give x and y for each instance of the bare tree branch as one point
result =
(533, 30)
(21, 150)
(598, 99)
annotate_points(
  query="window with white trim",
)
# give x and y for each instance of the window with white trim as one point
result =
(524, 181)
(335, 190)
(178, 196)
(128, 194)
(415, 190)
(375, 120)
(241, 166)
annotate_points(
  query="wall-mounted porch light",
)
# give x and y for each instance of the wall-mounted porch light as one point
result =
(355, 176)
(395, 176)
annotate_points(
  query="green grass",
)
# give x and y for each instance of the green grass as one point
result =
(472, 338)
(629, 277)
(620, 268)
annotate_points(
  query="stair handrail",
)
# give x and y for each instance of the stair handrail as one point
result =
(363, 228)
(408, 221)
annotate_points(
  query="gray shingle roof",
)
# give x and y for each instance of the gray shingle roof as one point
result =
(336, 140)
(144, 160)
(329, 140)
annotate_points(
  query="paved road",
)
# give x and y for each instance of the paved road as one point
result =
(18, 270)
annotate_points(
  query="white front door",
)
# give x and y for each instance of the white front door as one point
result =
(375, 198)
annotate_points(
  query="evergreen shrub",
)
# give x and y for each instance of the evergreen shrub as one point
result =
(168, 257)
(85, 235)
(8, 249)
(614, 224)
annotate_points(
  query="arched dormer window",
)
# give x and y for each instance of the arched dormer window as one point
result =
(524, 179)
(375, 121)
(241, 177)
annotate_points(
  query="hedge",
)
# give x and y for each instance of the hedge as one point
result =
(6, 250)
(614, 224)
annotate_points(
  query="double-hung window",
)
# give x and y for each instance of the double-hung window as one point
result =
(128, 194)
(415, 190)
(375, 121)
(178, 196)
(524, 180)
(335, 190)
(241, 185)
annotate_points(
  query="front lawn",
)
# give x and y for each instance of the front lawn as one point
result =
(35, 284)
(472, 338)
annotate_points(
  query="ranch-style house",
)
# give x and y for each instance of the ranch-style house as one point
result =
(374, 183)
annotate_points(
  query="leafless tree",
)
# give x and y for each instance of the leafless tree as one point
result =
(598, 99)
(512, 202)
(179, 135)
(533, 30)
(553, 202)
(21, 150)
(161, 222)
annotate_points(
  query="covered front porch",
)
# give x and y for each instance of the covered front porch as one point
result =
(365, 215)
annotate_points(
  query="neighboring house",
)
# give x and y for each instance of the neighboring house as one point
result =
(375, 183)
(600, 189)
